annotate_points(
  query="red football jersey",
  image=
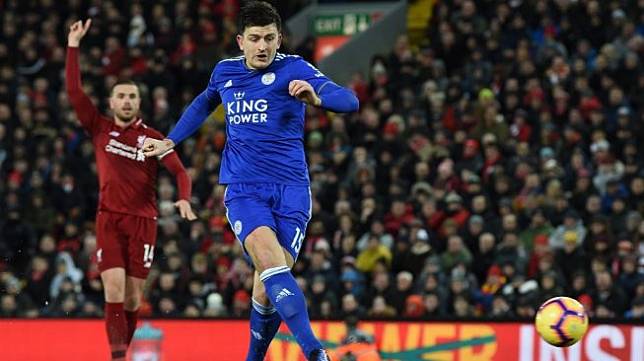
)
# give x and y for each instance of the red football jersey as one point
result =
(127, 179)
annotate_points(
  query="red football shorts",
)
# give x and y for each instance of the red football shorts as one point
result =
(125, 241)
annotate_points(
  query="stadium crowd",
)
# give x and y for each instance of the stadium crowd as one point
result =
(495, 166)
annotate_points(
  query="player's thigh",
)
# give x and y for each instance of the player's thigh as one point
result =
(142, 238)
(292, 214)
(250, 217)
(264, 249)
(111, 251)
(114, 284)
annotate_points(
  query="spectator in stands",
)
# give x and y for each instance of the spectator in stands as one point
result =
(8, 306)
(373, 253)
(456, 253)
(629, 276)
(572, 230)
(608, 296)
(539, 225)
(570, 258)
(637, 309)
(402, 291)
(412, 252)
(351, 307)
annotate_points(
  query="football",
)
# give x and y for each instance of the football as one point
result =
(561, 321)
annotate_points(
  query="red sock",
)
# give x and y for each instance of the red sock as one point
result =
(116, 326)
(131, 317)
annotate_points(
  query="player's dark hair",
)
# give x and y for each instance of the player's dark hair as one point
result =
(125, 82)
(258, 13)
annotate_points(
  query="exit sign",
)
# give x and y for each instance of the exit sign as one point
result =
(341, 24)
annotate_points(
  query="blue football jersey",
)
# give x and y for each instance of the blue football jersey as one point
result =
(264, 124)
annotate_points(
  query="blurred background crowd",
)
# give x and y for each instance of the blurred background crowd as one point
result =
(497, 164)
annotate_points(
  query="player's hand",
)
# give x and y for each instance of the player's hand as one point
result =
(304, 91)
(77, 31)
(153, 147)
(185, 210)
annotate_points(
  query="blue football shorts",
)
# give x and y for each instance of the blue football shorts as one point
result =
(286, 209)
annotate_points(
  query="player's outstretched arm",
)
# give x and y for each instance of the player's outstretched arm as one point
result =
(85, 110)
(77, 31)
(315, 88)
(191, 119)
(194, 116)
(329, 96)
(338, 99)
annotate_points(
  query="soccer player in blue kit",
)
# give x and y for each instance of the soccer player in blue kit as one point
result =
(268, 198)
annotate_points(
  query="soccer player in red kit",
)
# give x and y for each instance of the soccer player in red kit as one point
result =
(126, 219)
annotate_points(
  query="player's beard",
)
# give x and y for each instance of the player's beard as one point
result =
(126, 118)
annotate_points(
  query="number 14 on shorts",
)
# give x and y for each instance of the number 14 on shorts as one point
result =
(297, 240)
(148, 255)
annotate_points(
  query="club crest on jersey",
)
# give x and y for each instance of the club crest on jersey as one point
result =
(140, 140)
(268, 78)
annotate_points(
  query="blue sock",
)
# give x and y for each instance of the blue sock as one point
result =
(264, 322)
(288, 299)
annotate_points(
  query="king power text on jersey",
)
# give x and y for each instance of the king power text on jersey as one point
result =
(247, 111)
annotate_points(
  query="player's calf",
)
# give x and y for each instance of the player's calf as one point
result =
(289, 301)
(115, 319)
(133, 293)
(264, 320)
(264, 323)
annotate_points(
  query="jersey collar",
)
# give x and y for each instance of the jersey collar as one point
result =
(138, 123)
(243, 61)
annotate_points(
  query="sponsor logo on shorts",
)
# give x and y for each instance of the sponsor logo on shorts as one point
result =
(237, 227)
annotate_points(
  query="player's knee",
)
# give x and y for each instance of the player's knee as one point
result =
(264, 250)
(114, 284)
(265, 260)
(114, 291)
